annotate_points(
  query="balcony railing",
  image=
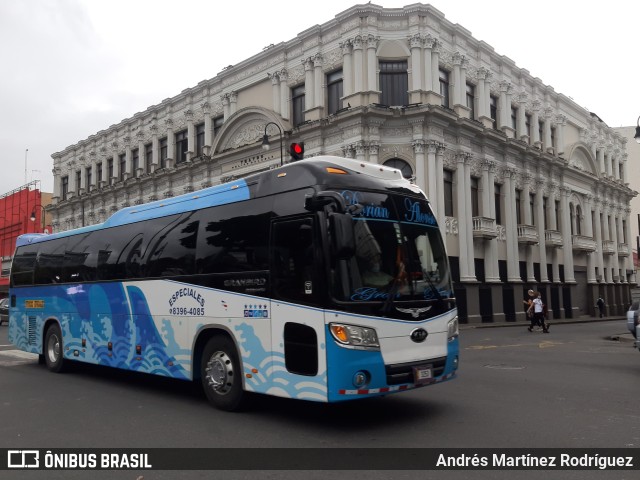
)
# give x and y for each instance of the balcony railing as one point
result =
(527, 234)
(484, 227)
(623, 250)
(607, 247)
(553, 238)
(583, 244)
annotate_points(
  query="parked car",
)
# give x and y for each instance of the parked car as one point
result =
(4, 310)
(633, 318)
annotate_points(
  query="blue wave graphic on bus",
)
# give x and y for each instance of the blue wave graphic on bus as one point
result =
(272, 376)
(102, 315)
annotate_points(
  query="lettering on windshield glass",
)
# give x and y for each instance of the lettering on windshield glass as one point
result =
(415, 215)
(369, 210)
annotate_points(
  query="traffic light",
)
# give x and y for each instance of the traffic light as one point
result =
(296, 150)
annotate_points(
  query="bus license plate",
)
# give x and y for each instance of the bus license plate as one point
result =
(422, 374)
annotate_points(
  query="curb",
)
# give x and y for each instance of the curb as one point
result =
(619, 337)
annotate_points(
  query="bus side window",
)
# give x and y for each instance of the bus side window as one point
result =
(294, 275)
(50, 263)
(24, 264)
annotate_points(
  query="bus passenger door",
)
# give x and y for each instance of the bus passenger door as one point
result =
(297, 321)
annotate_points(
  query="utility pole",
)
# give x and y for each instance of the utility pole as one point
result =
(25, 166)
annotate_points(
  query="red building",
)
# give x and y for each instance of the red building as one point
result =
(21, 211)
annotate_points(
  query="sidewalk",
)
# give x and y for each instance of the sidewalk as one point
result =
(621, 337)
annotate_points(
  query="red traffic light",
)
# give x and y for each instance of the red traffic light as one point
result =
(296, 150)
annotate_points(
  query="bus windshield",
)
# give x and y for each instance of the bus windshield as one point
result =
(399, 255)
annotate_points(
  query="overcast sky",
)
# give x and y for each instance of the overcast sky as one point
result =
(70, 68)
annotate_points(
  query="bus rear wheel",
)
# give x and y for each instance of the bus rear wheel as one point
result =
(53, 352)
(221, 376)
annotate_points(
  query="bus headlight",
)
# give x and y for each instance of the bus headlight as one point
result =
(354, 336)
(452, 329)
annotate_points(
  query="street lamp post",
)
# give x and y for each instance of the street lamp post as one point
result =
(265, 140)
(33, 215)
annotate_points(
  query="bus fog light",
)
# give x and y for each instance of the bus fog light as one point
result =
(455, 363)
(360, 379)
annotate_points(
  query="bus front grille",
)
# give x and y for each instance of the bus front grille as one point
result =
(403, 372)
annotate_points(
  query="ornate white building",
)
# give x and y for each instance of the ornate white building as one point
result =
(530, 189)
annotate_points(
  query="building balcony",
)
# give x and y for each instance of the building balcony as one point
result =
(553, 238)
(583, 244)
(623, 250)
(527, 234)
(484, 227)
(607, 247)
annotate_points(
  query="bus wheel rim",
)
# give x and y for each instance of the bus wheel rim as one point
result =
(53, 348)
(219, 373)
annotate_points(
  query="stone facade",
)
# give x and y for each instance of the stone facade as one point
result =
(530, 189)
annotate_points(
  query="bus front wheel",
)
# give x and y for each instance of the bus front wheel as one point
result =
(53, 357)
(220, 374)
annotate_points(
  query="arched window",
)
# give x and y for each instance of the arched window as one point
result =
(578, 220)
(404, 167)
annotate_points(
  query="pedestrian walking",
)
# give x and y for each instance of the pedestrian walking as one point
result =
(600, 304)
(537, 309)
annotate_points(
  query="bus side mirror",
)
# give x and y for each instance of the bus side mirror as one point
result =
(342, 235)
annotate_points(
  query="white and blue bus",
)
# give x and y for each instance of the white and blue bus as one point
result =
(325, 279)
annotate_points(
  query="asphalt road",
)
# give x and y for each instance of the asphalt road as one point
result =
(571, 388)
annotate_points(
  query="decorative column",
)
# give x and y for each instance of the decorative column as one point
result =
(225, 105)
(358, 66)
(428, 69)
(526, 193)
(372, 68)
(233, 102)
(318, 81)
(521, 123)
(284, 95)
(191, 135)
(505, 109)
(467, 220)
(171, 139)
(513, 270)
(484, 97)
(536, 141)
(460, 85)
(561, 121)
(421, 179)
(461, 204)
(435, 68)
(208, 127)
(93, 165)
(83, 177)
(347, 68)
(492, 274)
(567, 243)
(361, 151)
(440, 181)
(309, 97)
(431, 180)
(542, 242)
(591, 256)
(141, 153)
(155, 148)
(116, 163)
(275, 90)
(415, 43)
(599, 260)
(374, 148)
